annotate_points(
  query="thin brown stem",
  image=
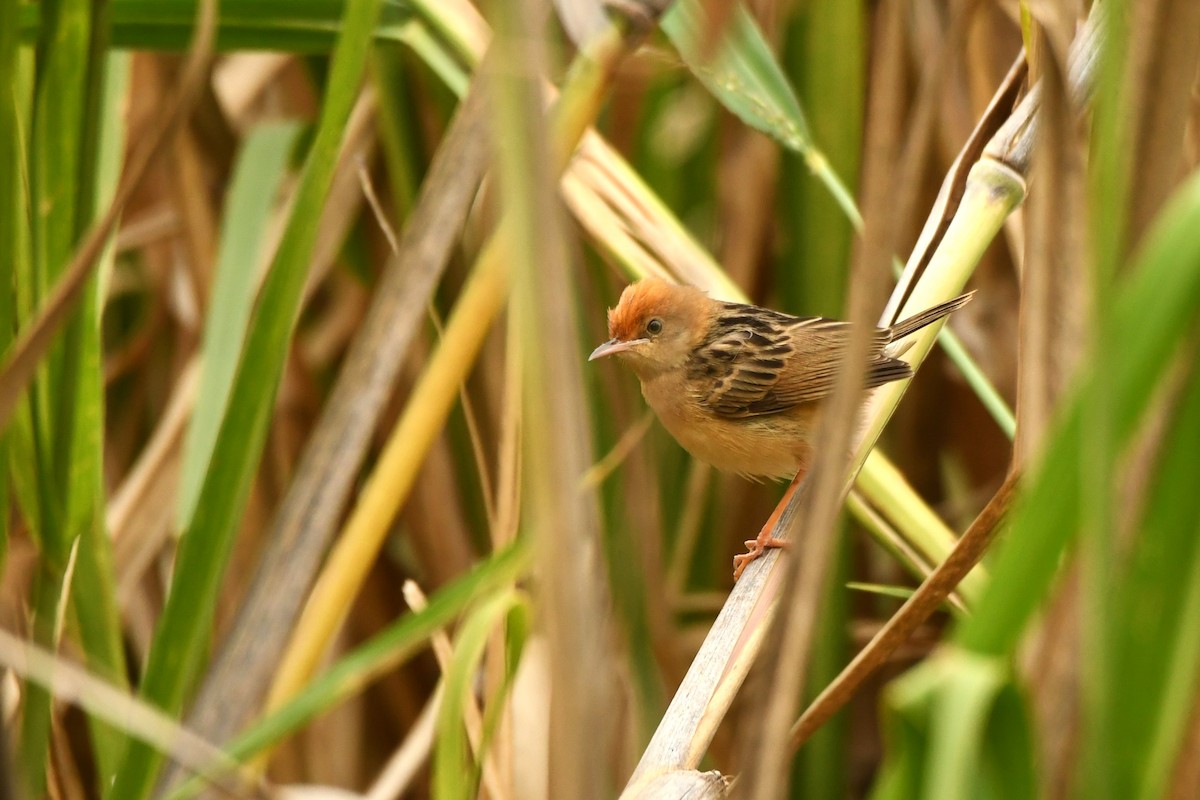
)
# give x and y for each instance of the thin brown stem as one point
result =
(928, 598)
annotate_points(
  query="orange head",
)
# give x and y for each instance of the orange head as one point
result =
(656, 325)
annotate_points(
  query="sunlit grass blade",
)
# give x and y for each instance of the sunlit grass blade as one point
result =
(251, 197)
(178, 651)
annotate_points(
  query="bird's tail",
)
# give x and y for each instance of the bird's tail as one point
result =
(921, 319)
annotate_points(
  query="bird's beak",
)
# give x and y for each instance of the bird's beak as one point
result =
(614, 346)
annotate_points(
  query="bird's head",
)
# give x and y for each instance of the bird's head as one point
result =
(655, 326)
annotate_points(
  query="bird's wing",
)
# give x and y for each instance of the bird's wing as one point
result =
(756, 362)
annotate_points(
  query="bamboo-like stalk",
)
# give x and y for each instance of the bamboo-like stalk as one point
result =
(993, 188)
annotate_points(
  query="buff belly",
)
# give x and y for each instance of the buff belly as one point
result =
(775, 446)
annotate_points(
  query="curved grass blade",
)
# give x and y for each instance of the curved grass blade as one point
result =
(744, 76)
(964, 707)
(741, 72)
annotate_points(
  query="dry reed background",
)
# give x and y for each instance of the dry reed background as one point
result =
(300, 334)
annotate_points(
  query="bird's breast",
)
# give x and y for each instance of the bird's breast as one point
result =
(770, 446)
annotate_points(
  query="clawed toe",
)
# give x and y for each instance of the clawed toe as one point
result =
(741, 562)
(754, 549)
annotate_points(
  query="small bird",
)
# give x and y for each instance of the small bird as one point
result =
(741, 387)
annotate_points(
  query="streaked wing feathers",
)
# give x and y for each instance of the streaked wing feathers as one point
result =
(757, 362)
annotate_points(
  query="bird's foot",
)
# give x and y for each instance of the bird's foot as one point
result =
(754, 549)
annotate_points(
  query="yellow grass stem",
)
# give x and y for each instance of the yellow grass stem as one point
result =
(895, 499)
(992, 192)
(391, 481)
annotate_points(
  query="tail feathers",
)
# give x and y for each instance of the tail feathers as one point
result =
(921, 319)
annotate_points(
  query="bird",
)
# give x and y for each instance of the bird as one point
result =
(739, 386)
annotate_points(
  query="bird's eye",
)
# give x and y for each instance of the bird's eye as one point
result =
(654, 326)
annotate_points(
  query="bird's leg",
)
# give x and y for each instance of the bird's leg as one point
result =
(765, 539)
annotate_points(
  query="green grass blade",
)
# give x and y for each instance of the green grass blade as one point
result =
(12, 218)
(398, 136)
(982, 747)
(741, 72)
(178, 651)
(1155, 645)
(956, 728)
(744, 76)
(55, 145)
(65, 117)
(294, 26)
(1166, 277)
(1109, 200)
(826, 54)
(93, 591)
(18, 286)
(983, 387)
(256, 182)
(34, 737)
(56, 171)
